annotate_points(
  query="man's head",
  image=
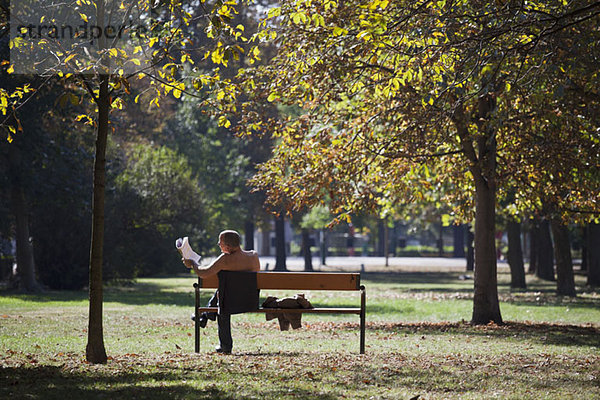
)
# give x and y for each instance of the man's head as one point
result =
(229, 241)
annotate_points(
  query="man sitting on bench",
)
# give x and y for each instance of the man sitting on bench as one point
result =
(232, 258)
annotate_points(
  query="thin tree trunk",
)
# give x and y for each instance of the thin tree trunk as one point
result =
(393, 241)
(381, 238)
(25, 259)
(545, 267)
(306, 250)
(565, 282)
(534, 251)
(280, 257)
(386, 244)
(441, 241)
(593, 255)
(95, 351)
(249, 235)
(584, 248)
(323, 246)
(470, 249)
(515, 255)
(458, 236)
(266, 242)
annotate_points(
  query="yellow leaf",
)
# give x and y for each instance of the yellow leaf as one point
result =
(217, 56)
(178, 89)
(83, 17)
(223, 121)
(10, 69)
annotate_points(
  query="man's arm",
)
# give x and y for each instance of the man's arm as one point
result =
(212, 269)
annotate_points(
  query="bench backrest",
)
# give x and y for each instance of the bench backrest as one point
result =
(297, 281)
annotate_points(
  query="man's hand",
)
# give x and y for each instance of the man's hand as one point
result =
(189, 263)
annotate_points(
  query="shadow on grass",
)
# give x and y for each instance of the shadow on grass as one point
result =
(51, 382)
(139, 293)
(550, 334)
(553, 300)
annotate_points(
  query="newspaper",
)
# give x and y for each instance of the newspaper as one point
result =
(183, 245)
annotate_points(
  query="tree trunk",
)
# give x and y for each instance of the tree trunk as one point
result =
(386, 244)
(280, 256)
(25, 260)
(593, 255)
(440, 241)
(584, 248)
(306, 250)
(249, 235)
(565, 282)
(95, 351)
(470, 249)
(515, 255)
(534, 250)
(458, 236)
(323, 246)
(482, 164)
(486, 306)
(393, 241)
(545, 255)
(266, 242)
(380, 238)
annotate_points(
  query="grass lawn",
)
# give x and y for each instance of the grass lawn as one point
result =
(418, 344)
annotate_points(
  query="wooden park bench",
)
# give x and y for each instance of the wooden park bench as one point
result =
(294, 281)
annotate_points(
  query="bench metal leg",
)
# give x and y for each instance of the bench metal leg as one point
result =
(363, 301)
(197, 317)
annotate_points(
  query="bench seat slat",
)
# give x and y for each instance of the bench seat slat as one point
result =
(294, 310)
